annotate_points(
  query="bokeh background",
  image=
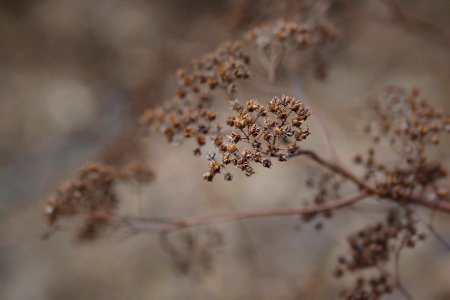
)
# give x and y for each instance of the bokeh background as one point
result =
(75, 75)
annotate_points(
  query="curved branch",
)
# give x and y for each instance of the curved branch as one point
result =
(139, 225)
(441, 205)
(335, 168)
(161, 225)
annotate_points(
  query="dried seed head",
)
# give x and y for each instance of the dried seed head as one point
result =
(268, 134)
(91, 196)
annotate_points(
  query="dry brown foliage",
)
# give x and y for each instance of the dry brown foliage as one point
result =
(256, 132)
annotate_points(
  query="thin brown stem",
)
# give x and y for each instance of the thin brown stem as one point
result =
(273, 66)
(441, 205)
(171, 225)
(326, 135)
(168, 225)
(414, 24)
(335, 168)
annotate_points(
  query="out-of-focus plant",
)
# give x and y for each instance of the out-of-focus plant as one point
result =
(260, 132)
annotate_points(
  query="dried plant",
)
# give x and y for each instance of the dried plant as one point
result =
(257, 133)
(91, 196)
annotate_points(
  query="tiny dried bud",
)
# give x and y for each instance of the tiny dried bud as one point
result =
(238, 123)
(226, 159)
(282, 157)
(267, 163)
(235, 137)
(230, 120)
(214, 167)
(256, 145)
(228, 176)
(188, 131)
(235, 104)
(211, 115)
(266, 135)
(254, 130)
(201, 140)
(231, 148)
(278, 131)
(358, 159)
(208, 176)
(338, 272)
(181, 93)
(212, 82)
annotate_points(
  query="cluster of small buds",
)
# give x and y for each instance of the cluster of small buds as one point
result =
(292, 34)
(276, 38)
(399, 183)
(90, 191)
(370, 289)
(410, 124)
(91, 195)
(220, 69)
(259, 133)
(372, 247)
(190, 114)
(369, 247)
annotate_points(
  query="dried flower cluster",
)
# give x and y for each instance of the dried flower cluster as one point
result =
(410, 125)
(259, 133)
(275, 39)
(372, 248)
(370, 288)
(220, 69)
(292, 35)
(409, 122)
(191, 113)
(91, 196)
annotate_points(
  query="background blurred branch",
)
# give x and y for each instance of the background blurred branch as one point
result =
(414, 24)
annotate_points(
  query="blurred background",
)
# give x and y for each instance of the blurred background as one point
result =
(75, 75)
